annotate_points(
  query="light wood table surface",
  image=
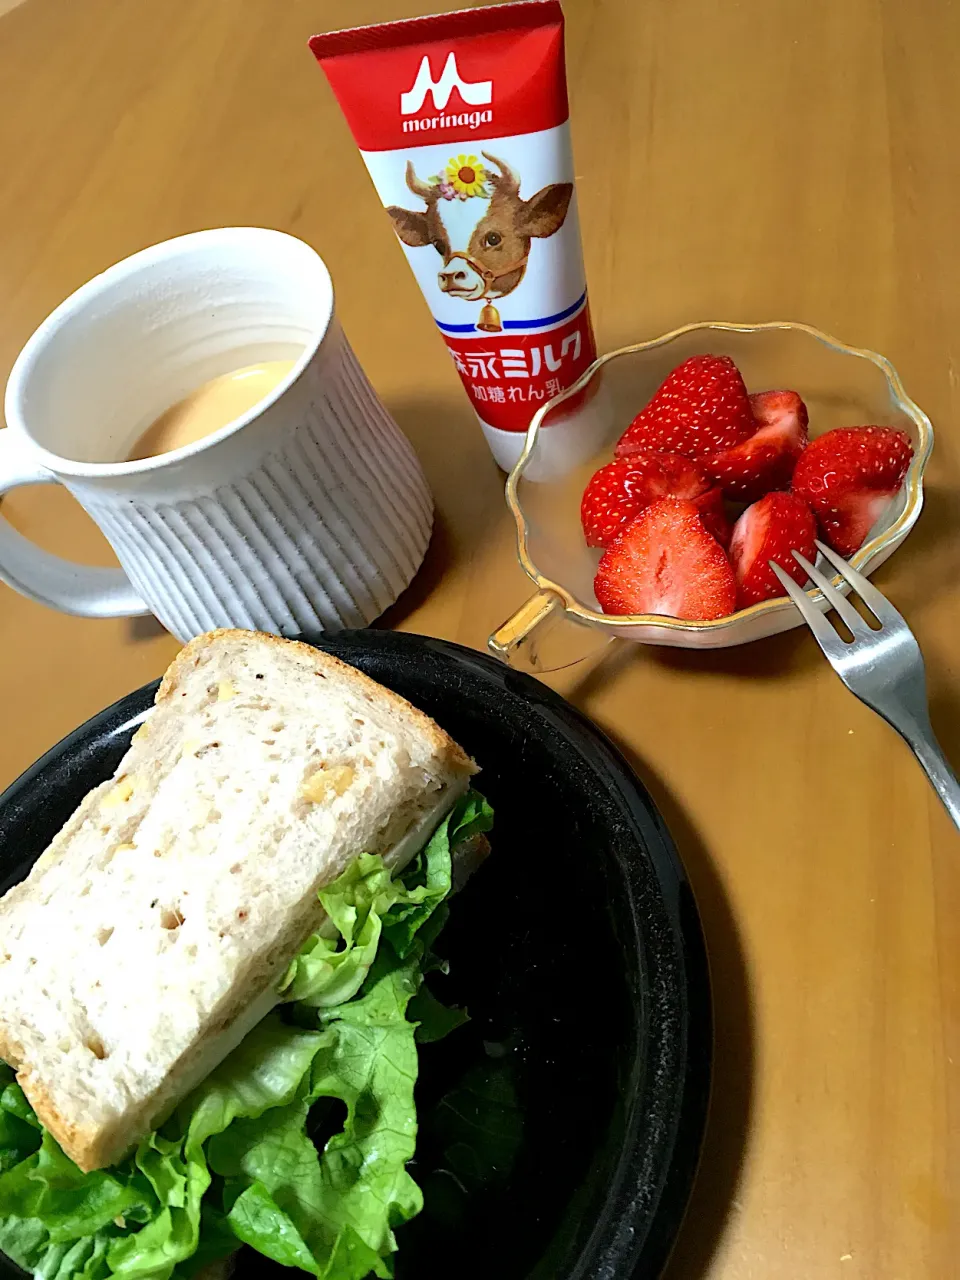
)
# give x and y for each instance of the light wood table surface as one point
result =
(743, 161)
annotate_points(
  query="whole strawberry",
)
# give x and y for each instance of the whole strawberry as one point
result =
(771, 529)
(699, 409)
(618, 492)
(849, 476)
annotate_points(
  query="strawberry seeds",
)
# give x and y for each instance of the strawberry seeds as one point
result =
(659, 509)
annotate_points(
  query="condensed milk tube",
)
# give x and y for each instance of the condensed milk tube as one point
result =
(463, 124)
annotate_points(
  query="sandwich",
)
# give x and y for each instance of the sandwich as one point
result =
(231, 928)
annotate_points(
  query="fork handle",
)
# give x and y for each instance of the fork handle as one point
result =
(935, 765)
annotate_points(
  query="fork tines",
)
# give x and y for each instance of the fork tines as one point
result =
(876, 602)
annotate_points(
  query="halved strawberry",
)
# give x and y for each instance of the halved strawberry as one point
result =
(619, 491)
(848, 476)
(666, 562)
(770, 530)
(765, 461)
(698, 410)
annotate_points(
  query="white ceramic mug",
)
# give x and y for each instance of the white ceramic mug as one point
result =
(310, 512)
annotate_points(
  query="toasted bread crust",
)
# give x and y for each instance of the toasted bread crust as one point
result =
(83, 1144)
(321, 663)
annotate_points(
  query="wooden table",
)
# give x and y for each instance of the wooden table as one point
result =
(739, 161)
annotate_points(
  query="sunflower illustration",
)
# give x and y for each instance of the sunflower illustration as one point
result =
(467, 176)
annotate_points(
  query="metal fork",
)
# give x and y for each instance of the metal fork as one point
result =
(882, 667)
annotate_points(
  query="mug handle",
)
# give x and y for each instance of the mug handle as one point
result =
(60, 584)
(542, 636)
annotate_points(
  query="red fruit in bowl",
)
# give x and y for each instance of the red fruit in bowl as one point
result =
(608, 502)
(714, 515)
(666, 562)
(849, 476)
(699, 409)
(766, 459)
(770, 530)
(618, 492)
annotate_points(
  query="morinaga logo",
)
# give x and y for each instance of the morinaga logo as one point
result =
(474, 94)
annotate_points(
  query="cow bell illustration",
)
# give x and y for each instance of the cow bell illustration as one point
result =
(484, 257)
(489, 320)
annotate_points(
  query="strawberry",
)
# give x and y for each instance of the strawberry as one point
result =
(699, 409)
(848, 476)
(666, 562)
(619, 491)
(765, 460)
(770, 530)
(714, 515)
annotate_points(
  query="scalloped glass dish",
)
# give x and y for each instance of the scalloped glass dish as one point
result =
(842, 386)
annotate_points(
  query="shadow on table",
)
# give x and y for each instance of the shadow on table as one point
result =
(924, 570)
(928, 563)
(467, 486)
(932, 556)
(143, 628)
(440, 557)
(728, 1124)
(945, 716)
(770, 659)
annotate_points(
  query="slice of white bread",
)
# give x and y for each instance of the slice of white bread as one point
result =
(151, 935)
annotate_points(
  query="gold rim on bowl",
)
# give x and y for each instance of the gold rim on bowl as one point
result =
(862, 559)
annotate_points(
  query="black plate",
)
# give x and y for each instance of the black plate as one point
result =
(560, 1129)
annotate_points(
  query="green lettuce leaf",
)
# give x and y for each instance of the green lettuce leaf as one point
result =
(427, 879)
(262, 1072)
(19, 1128)
(237, 1163)
(58, 1222)
(468, 1146)
(337, 1207)
(434, 1020)
(480, 1124)
(216, 1242)
(330, 970)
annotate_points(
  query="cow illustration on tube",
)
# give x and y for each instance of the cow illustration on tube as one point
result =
(481, 226)
(463, 123)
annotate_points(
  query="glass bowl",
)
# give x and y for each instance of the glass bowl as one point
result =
(574, 434)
